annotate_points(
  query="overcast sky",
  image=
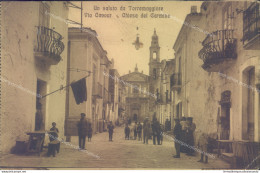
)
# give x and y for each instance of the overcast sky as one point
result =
(116, 34)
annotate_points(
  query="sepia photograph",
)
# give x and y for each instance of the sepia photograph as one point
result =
(130, 85)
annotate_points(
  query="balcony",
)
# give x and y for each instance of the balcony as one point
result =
(97, 90)
(175, 81)
(219, 50)
(251, 27)
(49, 46)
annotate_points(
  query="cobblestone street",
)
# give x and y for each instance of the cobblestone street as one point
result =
(120, 153)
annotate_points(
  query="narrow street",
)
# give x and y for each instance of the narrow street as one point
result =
(120, 153)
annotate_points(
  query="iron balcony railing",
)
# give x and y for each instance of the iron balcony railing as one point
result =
(49, 43)
(218, 46)
(251, 22)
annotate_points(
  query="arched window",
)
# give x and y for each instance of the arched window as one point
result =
(154, 55)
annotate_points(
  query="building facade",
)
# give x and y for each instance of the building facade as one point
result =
(88, 58)
(137, 97)
(216, 79)
(34, 64)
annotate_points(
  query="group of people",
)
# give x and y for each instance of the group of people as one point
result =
(183, 132)
(136, 130)
(148, 129)
(184, 139)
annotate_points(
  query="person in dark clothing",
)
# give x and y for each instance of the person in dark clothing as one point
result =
(146, 130)
(82, 131)
(155, 130)
(110, 128)
(89, 132)
(177, 135)
(184, 126)
(139, 131)
(190, 136)
(135, 131)
(127, 132)
(160, 135)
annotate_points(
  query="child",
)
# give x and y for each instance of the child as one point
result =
(54, 132)
(127, 132)
(89, 132)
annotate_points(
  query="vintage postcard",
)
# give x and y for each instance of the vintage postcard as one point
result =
(130, 85)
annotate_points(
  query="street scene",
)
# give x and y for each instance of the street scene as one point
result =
(130, 85)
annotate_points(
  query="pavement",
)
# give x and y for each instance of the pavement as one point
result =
(119, 154)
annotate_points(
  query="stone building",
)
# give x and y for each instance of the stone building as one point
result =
(87, 57)
(34, 63)
(234, 68)
(216, 80)
(137, 97)
(159, 82)
(192, 90)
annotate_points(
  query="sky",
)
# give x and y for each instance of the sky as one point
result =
(116, 33)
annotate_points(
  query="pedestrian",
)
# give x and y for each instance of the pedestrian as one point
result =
(203, 146)
(139, 131)
(155, 131)
(89, 133)
(110, 128)
(82, 131)
(184, 126)
(53, 132)
(127, 132)
(177, 137)
(146, 130)
(160, 135)
(190, 136)
(135, 130)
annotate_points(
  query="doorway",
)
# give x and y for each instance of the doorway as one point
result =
(225, 103)
(40, 115)
(248, 104)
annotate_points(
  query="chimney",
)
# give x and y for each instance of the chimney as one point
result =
(193, 9)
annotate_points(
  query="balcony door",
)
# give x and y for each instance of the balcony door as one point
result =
(44, 14)
(228, 17)
(248, 103)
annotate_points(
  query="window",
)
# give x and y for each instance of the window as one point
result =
(228, 16)
(136, 89)
(154, 74)
(154, 55)
(44, 15)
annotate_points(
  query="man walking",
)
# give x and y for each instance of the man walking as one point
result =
(139, 131)
(110, 128)
(146, 130)
(127, 131)
(155, 130)
(177, 137)
(82, 131)
(135, 130)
